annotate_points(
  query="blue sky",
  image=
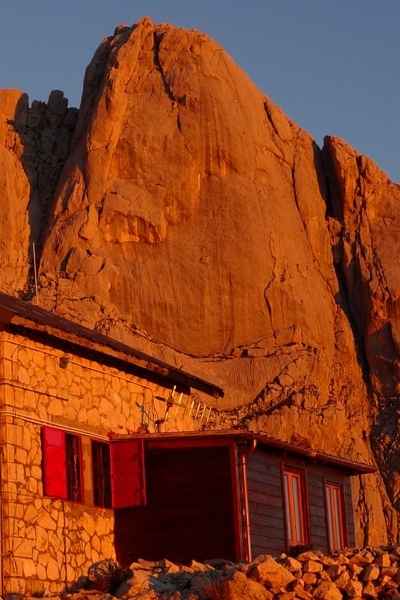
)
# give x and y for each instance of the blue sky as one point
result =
(331, 65)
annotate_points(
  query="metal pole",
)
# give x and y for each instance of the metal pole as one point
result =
(35, 273)
(1, 527)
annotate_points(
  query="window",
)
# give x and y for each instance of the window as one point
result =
(118, 472)
(74, 467)
(295, 514)
(62, 464)
(101, 474)
(335, 516)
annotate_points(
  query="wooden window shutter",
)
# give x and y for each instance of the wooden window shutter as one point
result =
(128, 474)
(54, 463)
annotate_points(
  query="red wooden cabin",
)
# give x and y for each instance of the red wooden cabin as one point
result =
(232, 495)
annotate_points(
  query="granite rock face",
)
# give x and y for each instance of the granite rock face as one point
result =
(365, 206)
(191, 218)
(174, 207)
(14, 186)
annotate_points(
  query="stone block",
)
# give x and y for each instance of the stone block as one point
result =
(270, 573)
(353, 568)
(292, 564)
(327, 591)
(312, 566)
(307, 555)
(362, 558)
(370, 572)
(237, 588)
(383, 560)
(42, 538)
(334, 571)
(309, 578)
(53, 570)
(354, 589)
(342, 580)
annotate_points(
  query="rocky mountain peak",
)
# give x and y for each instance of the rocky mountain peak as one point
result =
(183, 212)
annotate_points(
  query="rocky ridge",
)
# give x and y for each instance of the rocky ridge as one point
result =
(181, 211)
(371, 573)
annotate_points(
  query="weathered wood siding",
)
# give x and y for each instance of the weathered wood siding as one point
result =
(189, 512)
(316, 477)
(266, 502)
(266, 515)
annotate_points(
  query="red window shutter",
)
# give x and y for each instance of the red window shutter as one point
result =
(127, 474)
(54, 463)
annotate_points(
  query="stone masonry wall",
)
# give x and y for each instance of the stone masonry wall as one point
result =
(46, 539)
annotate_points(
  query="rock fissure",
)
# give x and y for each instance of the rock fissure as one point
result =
(157, 37)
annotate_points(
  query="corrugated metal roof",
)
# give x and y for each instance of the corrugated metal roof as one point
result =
(261, 439)
(11, 308)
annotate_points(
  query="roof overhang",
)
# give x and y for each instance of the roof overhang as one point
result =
(243, 437)
(26, 315)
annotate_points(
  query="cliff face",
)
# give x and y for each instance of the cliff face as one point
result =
(34, 144)
(190, 217)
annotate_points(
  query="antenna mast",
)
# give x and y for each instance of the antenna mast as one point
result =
(35, 272)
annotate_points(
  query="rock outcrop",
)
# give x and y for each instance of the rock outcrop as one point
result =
(34, 144)
(15, 231)
(191, 218)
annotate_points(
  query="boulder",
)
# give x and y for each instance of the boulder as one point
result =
(271, 574)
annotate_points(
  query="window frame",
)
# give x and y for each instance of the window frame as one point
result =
(295, 504)
(123, 483)
(101, 474)
(74, 467)
(335, 511)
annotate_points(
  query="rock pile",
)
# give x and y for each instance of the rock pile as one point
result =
(371, 573)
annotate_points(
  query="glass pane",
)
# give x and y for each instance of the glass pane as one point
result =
(287, 507)
(294, 508)
(101, 474)
(297, 507)
(329, 518)
(73, 468)
(336, 517)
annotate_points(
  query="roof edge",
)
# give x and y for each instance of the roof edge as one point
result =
(26, 312)
(263, 439)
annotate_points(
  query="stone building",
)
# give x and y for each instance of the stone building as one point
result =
(64, 391)
(105, 453)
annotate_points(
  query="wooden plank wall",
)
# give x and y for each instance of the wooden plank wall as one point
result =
(189, 511)
(264, 484)
(266, 509)
(316, 498)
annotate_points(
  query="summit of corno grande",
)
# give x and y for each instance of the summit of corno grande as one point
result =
(181, 211)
